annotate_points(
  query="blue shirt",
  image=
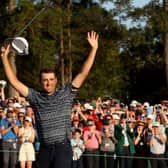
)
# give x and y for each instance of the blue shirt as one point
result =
(6, 124)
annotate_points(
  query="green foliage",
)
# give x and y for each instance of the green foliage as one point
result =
(129, 63)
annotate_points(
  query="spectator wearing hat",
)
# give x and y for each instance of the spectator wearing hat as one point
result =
(21, 116)
(107, 146)
(75, 123)
(52, 107)
(92, 140)
(9, 130)
(148, 131)
(157, 146)
(125, 145)
(146, 107)
(109, 118)
(78, 148)
(26, 135)
(29, 112)
(16, 107)
(116, 119)
(140, 145)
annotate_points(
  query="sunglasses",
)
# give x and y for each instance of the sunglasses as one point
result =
(20, 116)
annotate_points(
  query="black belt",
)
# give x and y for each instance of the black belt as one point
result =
(56, 144)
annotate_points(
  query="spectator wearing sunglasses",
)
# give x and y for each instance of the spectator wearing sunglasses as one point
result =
(9, 129)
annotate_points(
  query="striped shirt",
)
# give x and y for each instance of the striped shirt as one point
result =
(52, 114)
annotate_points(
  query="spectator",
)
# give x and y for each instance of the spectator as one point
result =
(10, 102)
(140, 145)
(157, 146)
(125, 145)
(26, 136)
(52, 108)
(77, 148)
(107, 146)
(9, 130)
(75, 123)
(116, 119)
(16, 107)
(92, 140)
(2, 112)
(29, 112)
(2, 116)
(148, 130)
(21, 116)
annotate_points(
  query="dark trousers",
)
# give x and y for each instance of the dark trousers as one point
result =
(77, 163)
(55, 156)
(107, 159)
(91, 159)
(124, 160)
(140, 162)
(9, 154)
(156, 162)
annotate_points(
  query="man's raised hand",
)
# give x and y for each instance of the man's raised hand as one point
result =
(92, 38)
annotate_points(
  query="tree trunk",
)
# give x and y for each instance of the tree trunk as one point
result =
(62, 53)
(12, 6)
(12, 92)
(165, 2)
(69, 44)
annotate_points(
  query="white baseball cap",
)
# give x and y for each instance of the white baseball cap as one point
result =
(27, 118)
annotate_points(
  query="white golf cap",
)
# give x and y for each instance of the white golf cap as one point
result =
(27, 118)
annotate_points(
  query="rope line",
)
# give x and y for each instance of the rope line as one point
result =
(101, 155)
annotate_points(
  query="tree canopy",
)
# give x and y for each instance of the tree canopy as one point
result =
(130, 62)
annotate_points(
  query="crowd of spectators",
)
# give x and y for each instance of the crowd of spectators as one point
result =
(105, 133)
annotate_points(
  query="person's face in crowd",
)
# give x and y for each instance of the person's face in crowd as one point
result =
(156, 130)
(77, 135)
(92, 127)
(75, 123)
(27, 123)
(116, 121)
(158, 118)
(123, 120)
(2, 113)
(10, 114)
(16, 110)
(149, 121)
(29, 112)
(48, 82)
(14, 115)
(110, 119)
(131, 124)
(10, 102)
(21, 117)
(140, 128)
